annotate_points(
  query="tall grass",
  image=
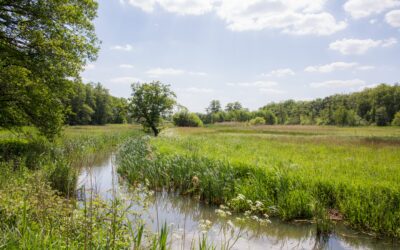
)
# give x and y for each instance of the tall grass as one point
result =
(37, 185)
(288, 175)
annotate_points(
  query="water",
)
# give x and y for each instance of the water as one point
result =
(183, 215)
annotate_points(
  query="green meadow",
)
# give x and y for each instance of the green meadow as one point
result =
(295, 171)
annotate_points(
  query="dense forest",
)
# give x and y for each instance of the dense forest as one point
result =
(372, 106)
(92, 104)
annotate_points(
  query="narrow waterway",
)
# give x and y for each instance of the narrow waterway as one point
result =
(183, 216)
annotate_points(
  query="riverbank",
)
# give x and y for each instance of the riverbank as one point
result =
(295, 173)
(184, 216)
(38, 209)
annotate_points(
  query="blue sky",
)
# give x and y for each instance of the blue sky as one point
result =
(253, 51)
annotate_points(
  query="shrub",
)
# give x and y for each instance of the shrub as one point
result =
(187, 119)
(269, 117)
(396, 120)
(257, 121)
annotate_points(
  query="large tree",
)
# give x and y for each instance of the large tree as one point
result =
(214, 107)
(151, 103)
(43, 47)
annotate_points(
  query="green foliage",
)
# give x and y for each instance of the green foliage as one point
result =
(381, 116)
(233, 106)
(37, 209)
(371, 106)
(268, 115)
(186, 119)
(91, 104)
(33, 216)
(396, 120)
(214, 107)
(257, 121)
(43, 45)
(151, 103)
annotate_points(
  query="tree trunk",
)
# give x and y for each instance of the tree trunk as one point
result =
(155, 130)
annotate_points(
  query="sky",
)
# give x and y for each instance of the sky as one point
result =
(252, 51)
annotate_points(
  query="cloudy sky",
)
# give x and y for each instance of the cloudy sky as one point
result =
(252, 51)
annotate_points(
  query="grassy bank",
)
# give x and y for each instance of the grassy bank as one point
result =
(37, 185)
(293, 171)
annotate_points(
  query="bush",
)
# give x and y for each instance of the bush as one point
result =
(396, 120)
(268, 116)
(257, 121)
(187, 119)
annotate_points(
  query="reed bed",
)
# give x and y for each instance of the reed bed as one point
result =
(294, 176)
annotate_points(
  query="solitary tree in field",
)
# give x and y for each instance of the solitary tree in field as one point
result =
(43, 45)
(150, 104)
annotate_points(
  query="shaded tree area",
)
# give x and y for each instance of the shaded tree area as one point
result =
(43, 47)
(372, 106)
(91, 104)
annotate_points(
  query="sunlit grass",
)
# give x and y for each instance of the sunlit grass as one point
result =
(294, 170)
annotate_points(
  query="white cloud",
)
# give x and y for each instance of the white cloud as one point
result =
(299, 17)
(280, 73)
(126, 66)
(125, 80)
(259, 84)
(90, 66)
(331, 67)
(364, 8)
(389, 42)
(182, 7)
(145, 5)
(365, 67)
(393, 18)
(196, 90)
(338, 83)
(187, 7)
(335, 66)
(126, 47)
(359, 46)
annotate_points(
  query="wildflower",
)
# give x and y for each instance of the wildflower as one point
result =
(241, 197)
(259, 204)
(220, 212)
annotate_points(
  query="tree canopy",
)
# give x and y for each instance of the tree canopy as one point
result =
(43, 47)
(151, 103)
(92, 104)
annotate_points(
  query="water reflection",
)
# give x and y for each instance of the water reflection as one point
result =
(183, 214)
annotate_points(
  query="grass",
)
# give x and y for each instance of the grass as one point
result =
(38, 209)
(292, 170)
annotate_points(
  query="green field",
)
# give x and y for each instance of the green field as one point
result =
(293, 170)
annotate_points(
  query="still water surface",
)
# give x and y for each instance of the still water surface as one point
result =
(183, 215)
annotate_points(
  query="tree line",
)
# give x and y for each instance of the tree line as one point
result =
(91, 104)
(373, 106)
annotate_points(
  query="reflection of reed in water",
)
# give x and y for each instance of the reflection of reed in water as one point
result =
(100, 179)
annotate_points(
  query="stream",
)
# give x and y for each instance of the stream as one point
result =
(183, 215)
